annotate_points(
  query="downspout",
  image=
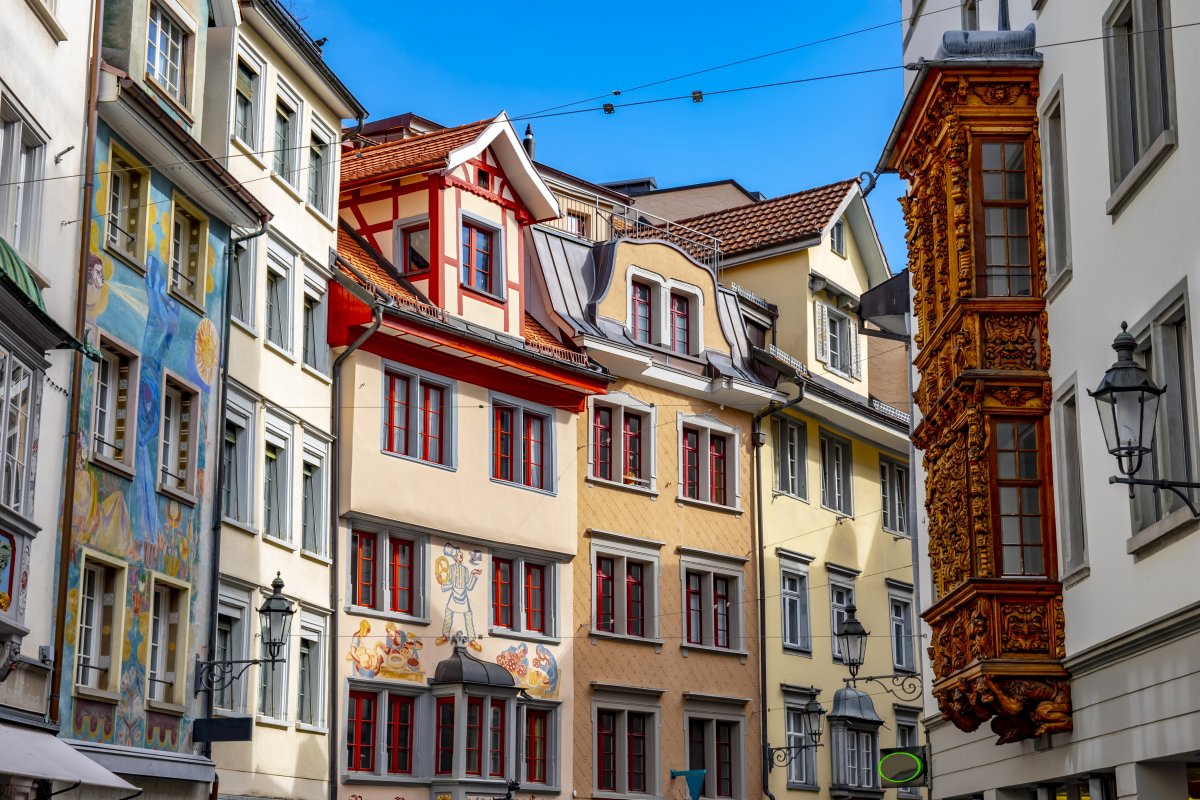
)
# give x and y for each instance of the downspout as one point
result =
(352, 134)
(66, 534)
(214, 573)
(335, 425)
(759, 441)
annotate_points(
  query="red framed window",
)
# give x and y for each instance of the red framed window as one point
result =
(691, 463)
(681, 324)
(635, 599)
(716, 469)
(363, 575)
(695, 603)
(502, 598)
(606, 751)
(724, 759)
(605, 613)
(397, 414)
(400, 574)
(502, 442)
(477, 257)
(443, 763)
(633, 448)
(414, 249)
(535, 598)
(720, 611)
(400, 735)
(474, 736)
(497, 760)
(602, 442)
(483, 179)
(433, 400)
(636, 725)
(640, 299)
(537, 724)
(534, 446)
(360, 732)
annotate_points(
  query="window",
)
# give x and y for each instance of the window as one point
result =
(385, 575)
(1005, 202)
(522, 595)
(579, 223)
(791, 457)
(419, 419)
(836, 474)
(708, 463)
(802, 771)
(314, 321)
(413, 247)
(187, 254)
(360, 731)
(621, 447)
(712, 604)
(320, 171)
(279, 272)
(1140, 81)
(893, 482)
(625, 594)
(841, 597)
(168, 638)
(272, 684)
(21, 158)
(681, 324)
(1068, 484)
(793, 590)
(287, 130)
(166, 49)
(113, 425)
(715, 745)
(310, 690)
(907, 735)
(626, 749)
(234, 618)
(18, 420)
(276, 469)
(483, 179)
(540, 745)
(1054, 159)
(101, 608)
(643, 318)
(522, 445)
(497, 755)
(1019, 490)
(444, 736)
(313, 523)
(241, 290)
(901, 622)
(855, 757)
(176, 435)
(478, 258)
(400, 746)
(237, 481)
(837, 238)
(246, 86)
(837, 342)
(970, 15)
(127, 187)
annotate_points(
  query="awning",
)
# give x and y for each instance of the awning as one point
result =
(39, 755)
(16, 276)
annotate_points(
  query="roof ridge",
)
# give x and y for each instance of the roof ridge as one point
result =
(767, 202)
(421, 136)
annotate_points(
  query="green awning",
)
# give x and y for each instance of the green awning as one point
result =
(16, 277)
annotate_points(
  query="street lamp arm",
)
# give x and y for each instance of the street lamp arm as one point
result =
(1158, 484)
(904, 685)
(784, 756)
(216, 676)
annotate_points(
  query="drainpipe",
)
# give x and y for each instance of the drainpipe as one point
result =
(759, 441)
(335, 429)
(352, 134)
(214, 572)
(66, 534)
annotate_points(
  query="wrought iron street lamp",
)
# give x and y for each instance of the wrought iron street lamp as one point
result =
(812, 720)
(852, 642)
(1128, 401)
(275, 617)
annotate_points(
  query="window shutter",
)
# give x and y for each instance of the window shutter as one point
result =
(855, 356)
(821, 317)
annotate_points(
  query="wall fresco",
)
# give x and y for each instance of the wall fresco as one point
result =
(457, 581)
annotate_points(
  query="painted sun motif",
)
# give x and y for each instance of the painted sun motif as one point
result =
(206, 351)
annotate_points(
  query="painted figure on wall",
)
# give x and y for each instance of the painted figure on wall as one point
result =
(457, 580)
(397, 657)
(538, 677)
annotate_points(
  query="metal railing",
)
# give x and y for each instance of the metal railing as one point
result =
(596, 219)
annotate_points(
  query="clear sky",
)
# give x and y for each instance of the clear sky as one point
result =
(463, 61)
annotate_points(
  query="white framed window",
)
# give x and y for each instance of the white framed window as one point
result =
(189, 235)
(893, 484)
(19, 404)
(664, 312)
(970, 15)
(621, 447)
(900, 622)
(314, 489)
(709, 461)
(712, 599)
(114, 401)
(168, 44)
(242, 279)
(125, 204)
(388, 574)
(524, 595)
(716, 744)
(314, 316)
(273, 681)
(791, 457)
(855, 757)
(166, 666)
(322, 158)
(310, 670)
(22, 157)
(837, 345)
(281, 263)
(286, 146)
(837, 238)
(802, 770)
(100, 622)
(522, 443)
(625, 587)
(794, 606)
(837, 470)
(178, 440)
(625, 746)
(1058, 207)
(237, 459)
(841, 597)
(1068, 482)
(248, 93)
(232, 643)
(277, 484)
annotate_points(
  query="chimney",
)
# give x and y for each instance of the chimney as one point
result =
(528, 141)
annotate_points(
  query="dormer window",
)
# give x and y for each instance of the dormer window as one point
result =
(414, 249)
(166, 49)
(483, 179)
(478, 246)
(837, 238)
(681, 324)
(643, 318)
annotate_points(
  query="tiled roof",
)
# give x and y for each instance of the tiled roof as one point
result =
(790, 218)
(351, 249)
(412, 156)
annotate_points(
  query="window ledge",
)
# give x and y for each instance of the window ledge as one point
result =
(1076, 576)
(540, 788)
(307, 728)
(524, 636)
(286, 185)
(625, 637)
(838, 511)
(516, 485)
(388, 778)
(238, 525)
(415, 460)
(362, 611)
(279, 351)
(101, 695)
(1147, 165)
(688, 501)
(1175, 525)
(178, 494)
(172, 101)
(628, 487)
(316, 373)
(247, 327)
(313, 555)
(271, 722)
(185, 300)
(480, 294)
(796, 650)
(803, 787)
(708, 648)
(280, 543)
(46, 17)
(120, 468)
(128, 259)
(247, 150)
(1057, 282)
(174, 709)
(776, 493)
(325, 221)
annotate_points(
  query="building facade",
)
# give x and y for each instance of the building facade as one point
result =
(1039, 169)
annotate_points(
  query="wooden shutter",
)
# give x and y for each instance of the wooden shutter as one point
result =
(821, 318)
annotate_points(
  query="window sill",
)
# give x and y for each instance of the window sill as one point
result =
(515, 485)
(1129, 186)
(162, 706)
(239, 526)
(312, 555)
(316, 373)
(46, 17)
(279, 351)
(320, 217)
(1077, 575)
(480, 294)
(1177, 524)
(308, 728)
(795, 650)
(803, 787)
(396, 616)
(188, 301)
(688, 501)
(1058, 282)
(415, 460)
(286, 185)
(389, 778)
(708, 648)
(246, 327)
(848, 515)
(625, 637)
(247, 150)
(524, 636)
(120, 468)
(272, 722)
(776, 493)
(174, 102)
(896, 534)
(628, 487)
(231, 713)
(128, 259)
(280, 543)
(178, 494)
(100, 695)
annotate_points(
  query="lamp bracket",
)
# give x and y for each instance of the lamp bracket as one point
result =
(784, 756)
(215, 676)
(1158, 484)
(903, 685)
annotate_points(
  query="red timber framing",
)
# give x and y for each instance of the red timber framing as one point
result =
(969, 149)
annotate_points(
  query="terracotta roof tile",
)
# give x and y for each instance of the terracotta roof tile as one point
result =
(412, 156)
(535, 332)
(790, 218)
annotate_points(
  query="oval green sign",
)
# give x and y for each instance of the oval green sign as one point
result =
(900, 768)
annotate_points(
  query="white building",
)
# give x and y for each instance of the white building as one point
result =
(1114, 117)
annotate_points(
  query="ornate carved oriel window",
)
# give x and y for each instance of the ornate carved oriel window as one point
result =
(1019, 497)
(1003, 195)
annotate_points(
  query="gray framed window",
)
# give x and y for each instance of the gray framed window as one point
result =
(837, 237)
(234, 625)
(625, 746)
(272, 686)
(625, 596)
(893, 483)
(1054, 162)
(248, 97)
(1068, 483)
(791, 457)
(287, 136)
(280, 264)
(855, 755)
(313, 493)
(276, 464)
(794, 608)
(908, 735)
(970, 15)
(241, 289)
(715, 743)
(22, 153)
(802, 771)
(310, 672)
(321, 159)
(837, 469)
(540, 748)
(314, 315)
(841, 597)
(900, 623)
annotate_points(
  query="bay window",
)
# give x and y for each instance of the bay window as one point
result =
(1016, 451)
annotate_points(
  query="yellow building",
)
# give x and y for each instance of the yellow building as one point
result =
(835, 503)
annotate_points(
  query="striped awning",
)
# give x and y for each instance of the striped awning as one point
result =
(16, 277)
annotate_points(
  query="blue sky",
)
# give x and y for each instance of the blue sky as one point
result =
(458, 62)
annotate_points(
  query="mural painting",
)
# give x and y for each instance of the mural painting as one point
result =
(395, 656)
(7, 567)
(539, 676)
(457, 581)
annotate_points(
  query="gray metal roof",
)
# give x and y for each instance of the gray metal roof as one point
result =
(855, 705)
(462, 667)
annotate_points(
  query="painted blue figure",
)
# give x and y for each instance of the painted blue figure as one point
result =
(456, 579)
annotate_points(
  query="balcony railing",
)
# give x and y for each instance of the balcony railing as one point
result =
(592, 217)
